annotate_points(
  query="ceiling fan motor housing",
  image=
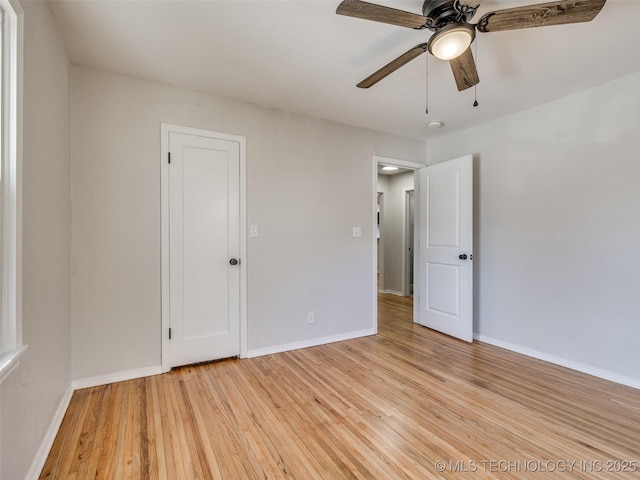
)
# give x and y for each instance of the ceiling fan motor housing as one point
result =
(443, 12)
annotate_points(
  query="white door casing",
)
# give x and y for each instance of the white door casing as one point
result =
(444, 212)
(203, 306)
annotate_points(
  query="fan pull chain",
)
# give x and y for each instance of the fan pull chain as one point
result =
(475, 87)
(427, 86)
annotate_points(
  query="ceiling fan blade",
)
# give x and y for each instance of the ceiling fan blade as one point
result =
(393, 66)
(542, 15)
(464, 70)
(379, 13)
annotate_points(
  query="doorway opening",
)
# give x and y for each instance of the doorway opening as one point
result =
(443, 240)
(394, 207)
(409, 207)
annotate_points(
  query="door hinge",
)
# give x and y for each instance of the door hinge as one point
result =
(169, 333)
(169, 155)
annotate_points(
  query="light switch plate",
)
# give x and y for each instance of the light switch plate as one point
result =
(357, 232)
(253, 231)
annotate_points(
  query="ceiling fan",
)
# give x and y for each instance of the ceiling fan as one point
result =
(453, 34)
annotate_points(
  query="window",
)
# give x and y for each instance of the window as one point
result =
(11, 347)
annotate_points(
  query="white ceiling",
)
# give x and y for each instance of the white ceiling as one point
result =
(301, 57)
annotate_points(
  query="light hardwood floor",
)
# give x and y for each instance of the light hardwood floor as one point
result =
(407, 403)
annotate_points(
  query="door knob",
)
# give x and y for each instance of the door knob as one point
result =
(234, 261)
(462, 256)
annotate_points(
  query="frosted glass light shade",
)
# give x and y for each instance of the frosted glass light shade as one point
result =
(451, 41)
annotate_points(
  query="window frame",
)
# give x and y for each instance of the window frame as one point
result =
(11, 346)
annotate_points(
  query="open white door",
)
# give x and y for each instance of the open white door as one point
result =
(444, 211)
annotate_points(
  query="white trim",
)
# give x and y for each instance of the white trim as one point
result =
(9, 361)
(11, 252)
(165, 129)
(164, 242)
(392, 292)
(258, 352)
(244, 319)
(397, 162)
(563, 362)
(376, 243)
(50, 435)
(116, 377)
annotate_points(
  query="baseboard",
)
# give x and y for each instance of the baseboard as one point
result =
(50, 435)
(563, 362)
(392, 292)
(258, 352)
(116, 377)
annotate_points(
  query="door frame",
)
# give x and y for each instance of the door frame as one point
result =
(406, 258)
(380, 239)
(374, 202)
(165, 130)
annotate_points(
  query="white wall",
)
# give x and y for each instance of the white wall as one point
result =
(394, 230)
(33, 393)
(309, 182)
(557, 231)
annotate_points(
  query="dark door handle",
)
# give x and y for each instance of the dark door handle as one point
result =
(462, 256)
(234, 261)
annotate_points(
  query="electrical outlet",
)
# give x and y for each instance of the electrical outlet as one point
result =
(311, 317)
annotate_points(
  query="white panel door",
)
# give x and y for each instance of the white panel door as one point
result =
(444, 264)
(204, 245)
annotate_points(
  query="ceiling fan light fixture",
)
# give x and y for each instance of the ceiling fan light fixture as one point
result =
(451, 41)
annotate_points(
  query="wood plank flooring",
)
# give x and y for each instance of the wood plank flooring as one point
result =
(407, 403)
